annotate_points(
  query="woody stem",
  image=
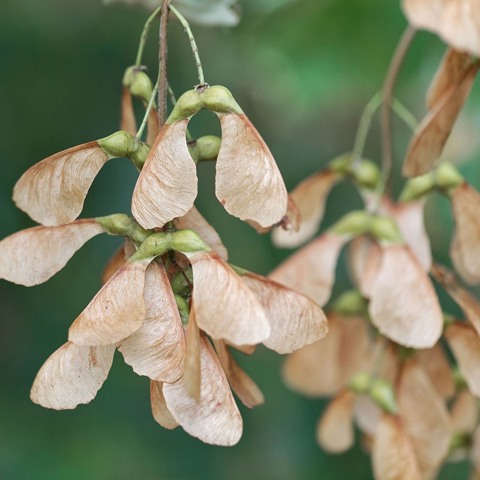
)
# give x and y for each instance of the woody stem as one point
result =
(162, 62)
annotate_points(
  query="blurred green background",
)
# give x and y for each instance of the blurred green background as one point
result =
(303, 71)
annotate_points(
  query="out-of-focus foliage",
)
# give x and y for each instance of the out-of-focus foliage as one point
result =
(302, 70)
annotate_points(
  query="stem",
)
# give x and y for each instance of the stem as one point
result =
(193, 44)
(162, 63)
(388, 89)
(147, 111)
(364, 127)
(144, 36)
(405, 114)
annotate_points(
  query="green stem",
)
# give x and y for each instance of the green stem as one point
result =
(364, 127)
(386, 121)
(147, 111)
(144, 36)
(193, 44)
(405, 114)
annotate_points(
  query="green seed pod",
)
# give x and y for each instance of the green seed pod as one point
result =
(381, 392)
(208, 147)
(418, 187)
(360, 382)
(141, 86)
(385, 229)
(183, 309)
(187, 105)
(447, 177)
(350, 303)
(119, 144)
(181, 282)
(353, 224)
(367, 174)
(186, 241)
(139, 155)
(128, 76)
(154, 245)
(220, 100)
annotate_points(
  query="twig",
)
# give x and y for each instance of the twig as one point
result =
(162, 65)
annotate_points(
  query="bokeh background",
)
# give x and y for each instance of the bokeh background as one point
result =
(302, 70)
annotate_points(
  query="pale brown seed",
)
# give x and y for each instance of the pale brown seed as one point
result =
(409, 218)
(311, 270)
(160, 411)
(403, 304)
(247, 182)
(116, 311)
(310, 196)
(193, 220)
(242, 385)
(393, 457)
(225, 307)
(436, 365)
(450, 72)
(464, 413)
(364, 259)
(465, 344)
(72, 375)
(167, 185)
(335, 432)
(215, 419)
(117, 260)
(465, 300)
(128, 122)
(465, 246)
(153, 126)
(457, 22)
(295, 320)
(32, 256)
(52, 192)
(192, 374)
(157, 348)
(427, 144)
(425, 418)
